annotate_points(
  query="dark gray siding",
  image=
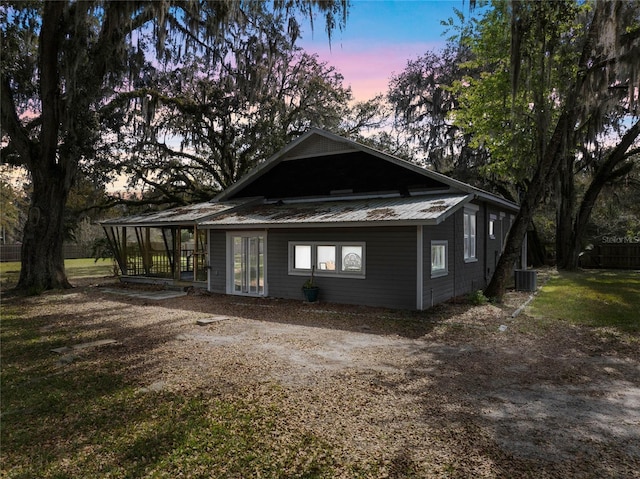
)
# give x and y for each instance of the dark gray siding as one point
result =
(463, 277)
(469, 276)
(437, 290)
(390, 266)
(391, 262)
(218, 261)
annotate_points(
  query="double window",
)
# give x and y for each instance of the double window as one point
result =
(470, 234)
(327, 258)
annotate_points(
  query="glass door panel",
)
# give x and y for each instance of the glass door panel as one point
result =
(248, 265)
(238, 260)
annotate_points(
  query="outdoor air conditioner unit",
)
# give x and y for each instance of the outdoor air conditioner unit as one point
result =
(526, 279)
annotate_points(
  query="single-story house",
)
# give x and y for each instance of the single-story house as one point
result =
(372, 228)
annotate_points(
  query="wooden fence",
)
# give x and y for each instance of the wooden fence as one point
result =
(612, 256)
(11, 252)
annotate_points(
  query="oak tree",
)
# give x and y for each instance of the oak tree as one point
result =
(63, 62)
(528, 105)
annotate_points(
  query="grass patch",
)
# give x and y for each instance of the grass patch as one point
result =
(76, 268)
(86, 419)
(592, 298)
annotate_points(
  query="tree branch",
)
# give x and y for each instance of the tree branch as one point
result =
(18, 135)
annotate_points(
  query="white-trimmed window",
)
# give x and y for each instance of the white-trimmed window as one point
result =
(492, 226)
(302, 257)
(329, 258)
(326, 257)
(470, 234)
(439, 263)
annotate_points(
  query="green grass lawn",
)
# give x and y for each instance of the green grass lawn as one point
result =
(591, 298)
(76, 268)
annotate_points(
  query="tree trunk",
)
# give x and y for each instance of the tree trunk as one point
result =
(604, 174)
(549, 160)
(52, 172)
(546, 168)
(42, 254)
(565, 210)
(537, 253)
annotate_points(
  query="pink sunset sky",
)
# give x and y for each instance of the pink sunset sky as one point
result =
(380, 37)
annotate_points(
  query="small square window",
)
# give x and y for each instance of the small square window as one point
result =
(326, 258)
(302, 257)
(352, 259)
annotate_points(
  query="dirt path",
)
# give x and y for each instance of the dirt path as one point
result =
(460, 391)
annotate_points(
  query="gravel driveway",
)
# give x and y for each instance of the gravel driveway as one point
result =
(458, 391)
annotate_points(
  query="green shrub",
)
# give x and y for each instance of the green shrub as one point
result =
(478, 298)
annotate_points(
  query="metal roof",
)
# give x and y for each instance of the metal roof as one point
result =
(243, 212)
(183, 215)
(431, 209)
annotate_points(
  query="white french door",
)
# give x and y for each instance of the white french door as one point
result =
(247, 263)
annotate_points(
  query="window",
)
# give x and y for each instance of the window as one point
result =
(329, 259)
(302, 257)
(326, 258)
(352, 259)
(492, 226)
(470, 234)
(439, 264)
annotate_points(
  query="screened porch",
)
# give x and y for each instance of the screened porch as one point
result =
(170, 253)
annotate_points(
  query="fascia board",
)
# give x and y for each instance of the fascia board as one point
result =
(344, 224)
(491, 198)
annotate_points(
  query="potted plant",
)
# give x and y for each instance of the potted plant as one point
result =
(309, 288)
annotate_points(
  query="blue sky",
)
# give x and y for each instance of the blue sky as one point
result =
(379, 38)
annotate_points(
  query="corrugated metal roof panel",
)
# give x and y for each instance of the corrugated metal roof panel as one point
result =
(428, 209)
(190, 214)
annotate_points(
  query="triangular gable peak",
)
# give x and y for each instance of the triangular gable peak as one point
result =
(316, 144)
(320, 164)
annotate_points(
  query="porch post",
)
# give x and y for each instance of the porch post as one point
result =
(125, 260)
(177, 254)
(195, 252)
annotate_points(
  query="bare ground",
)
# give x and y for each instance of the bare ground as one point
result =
(458, 391)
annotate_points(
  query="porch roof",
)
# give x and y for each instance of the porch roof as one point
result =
(181, 216)
(430, 209)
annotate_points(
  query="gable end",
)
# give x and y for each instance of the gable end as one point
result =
(317, 145)
(319, 176)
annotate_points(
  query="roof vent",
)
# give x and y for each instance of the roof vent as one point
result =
(348, 191)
